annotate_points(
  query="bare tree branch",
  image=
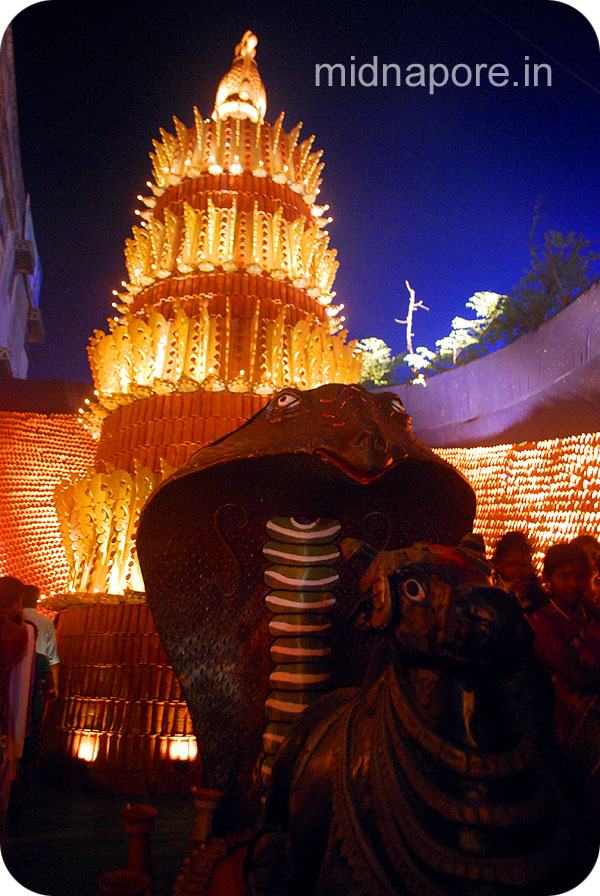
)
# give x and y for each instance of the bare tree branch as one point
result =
(412, 307)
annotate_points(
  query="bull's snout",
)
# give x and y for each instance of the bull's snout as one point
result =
(480, 605)
(489, 629)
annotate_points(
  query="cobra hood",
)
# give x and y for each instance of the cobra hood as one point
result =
(336, 453)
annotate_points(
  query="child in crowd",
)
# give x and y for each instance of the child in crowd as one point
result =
(567, 640)
(513, 564)
(567, 643)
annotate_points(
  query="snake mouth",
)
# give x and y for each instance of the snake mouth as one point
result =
(364, 477)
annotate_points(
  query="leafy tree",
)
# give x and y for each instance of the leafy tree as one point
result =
(376, 359)
(560, 270)
(465, 332)
(379, 368)
(420, 359)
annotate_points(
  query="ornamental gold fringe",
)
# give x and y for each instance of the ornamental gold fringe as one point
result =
(98, 516)
(148, 353)
(236, 145)
(204, 240)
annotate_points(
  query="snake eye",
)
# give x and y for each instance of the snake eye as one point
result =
(397, 405)
(287, 400)
(413, 590)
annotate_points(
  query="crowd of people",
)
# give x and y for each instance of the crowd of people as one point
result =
(560, 703)
(28, 680)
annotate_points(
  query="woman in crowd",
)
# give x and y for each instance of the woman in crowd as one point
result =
(17, 644)
(591, 546)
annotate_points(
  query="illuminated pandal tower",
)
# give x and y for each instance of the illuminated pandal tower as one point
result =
(229, 298)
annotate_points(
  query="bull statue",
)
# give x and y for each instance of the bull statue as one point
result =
(424, 782)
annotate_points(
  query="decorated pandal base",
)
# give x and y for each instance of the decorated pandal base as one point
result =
(120, 713)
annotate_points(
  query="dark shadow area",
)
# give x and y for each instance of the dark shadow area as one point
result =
(62, 840)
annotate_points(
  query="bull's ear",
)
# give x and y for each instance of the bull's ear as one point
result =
(363, 615)
(357, 555)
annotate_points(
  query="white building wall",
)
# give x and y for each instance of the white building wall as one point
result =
(19, 264)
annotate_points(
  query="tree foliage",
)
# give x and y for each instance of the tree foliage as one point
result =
(562, 268)
(379, 368)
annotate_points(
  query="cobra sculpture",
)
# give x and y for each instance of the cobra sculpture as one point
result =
(239, 550)
(424, 782)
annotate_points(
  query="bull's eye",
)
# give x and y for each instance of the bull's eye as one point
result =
(397, 405)
(287, 400)
(413, 589)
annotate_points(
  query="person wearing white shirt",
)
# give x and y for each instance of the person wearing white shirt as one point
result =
(46, 638)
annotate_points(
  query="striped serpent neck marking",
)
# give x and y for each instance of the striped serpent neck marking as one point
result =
(301, 554)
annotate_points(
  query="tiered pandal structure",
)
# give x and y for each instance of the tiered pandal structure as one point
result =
(229, 298)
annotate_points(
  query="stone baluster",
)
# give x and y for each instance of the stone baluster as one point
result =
(139, 821)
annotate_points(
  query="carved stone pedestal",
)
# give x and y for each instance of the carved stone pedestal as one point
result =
(139, 821)
(206, 801)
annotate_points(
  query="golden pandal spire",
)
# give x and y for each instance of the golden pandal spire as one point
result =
(241, 93)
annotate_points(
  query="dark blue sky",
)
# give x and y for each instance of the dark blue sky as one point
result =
(437, 188)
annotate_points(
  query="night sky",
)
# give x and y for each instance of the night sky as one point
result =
(439, 189)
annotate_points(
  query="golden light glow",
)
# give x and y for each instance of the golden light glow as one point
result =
(212, 215)
(87, 746)
(211, 147)
(223, 237)
(183, 748)
(150, 353)
(241, 93)
(36, 451)
(549, 489)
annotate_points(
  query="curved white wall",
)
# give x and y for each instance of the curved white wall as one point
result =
(545, 385)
